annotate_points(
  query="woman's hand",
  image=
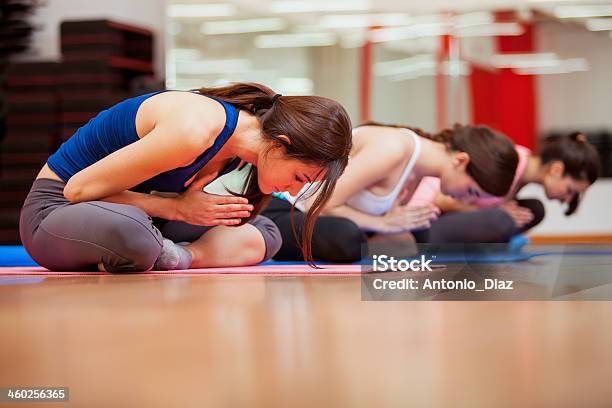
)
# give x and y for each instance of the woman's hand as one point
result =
(520, 215)
(197, 207)
(403, 218)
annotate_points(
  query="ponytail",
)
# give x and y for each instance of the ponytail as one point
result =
(319, 133)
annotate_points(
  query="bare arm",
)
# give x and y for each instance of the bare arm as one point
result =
(358, 175)
(366, 167)
(153, 205)
(367, 222)
(179, 127)
(178, 137)
(194, 206)
(400, 218)
(448, 204)
(164, 148)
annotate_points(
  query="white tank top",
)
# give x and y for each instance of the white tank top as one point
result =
(364, 200)
(370, 203)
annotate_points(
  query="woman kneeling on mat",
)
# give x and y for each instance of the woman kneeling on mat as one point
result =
(565, 166)
(127, 185)
(386, 165)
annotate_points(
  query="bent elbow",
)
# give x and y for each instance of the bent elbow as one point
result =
(73, 193)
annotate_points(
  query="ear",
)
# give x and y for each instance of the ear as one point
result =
(284, 138)
(556, 168)
(461, 160)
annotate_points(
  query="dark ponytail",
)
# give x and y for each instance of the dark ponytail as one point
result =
(580, 159)
(319, 132)
(251, 97)
(493, 157)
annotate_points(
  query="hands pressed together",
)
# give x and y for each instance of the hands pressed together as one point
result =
(197, 207)
(520, 215)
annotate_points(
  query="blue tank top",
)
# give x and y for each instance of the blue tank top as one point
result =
(115, 128)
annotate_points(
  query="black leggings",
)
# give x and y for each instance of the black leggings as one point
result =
(338, 239)
(334, 239)
(489, 225)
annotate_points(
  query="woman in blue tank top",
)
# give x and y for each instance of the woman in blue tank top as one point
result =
(128, 185)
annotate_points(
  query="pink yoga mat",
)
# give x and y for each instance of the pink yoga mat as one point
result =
(263, 270)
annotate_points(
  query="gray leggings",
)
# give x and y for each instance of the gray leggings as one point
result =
(77, 237)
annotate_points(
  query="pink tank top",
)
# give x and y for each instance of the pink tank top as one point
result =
(429, 187)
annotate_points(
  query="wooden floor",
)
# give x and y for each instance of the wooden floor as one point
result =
(229, 341)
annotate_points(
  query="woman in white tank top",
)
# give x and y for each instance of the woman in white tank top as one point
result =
(385, 165)
(388, 162)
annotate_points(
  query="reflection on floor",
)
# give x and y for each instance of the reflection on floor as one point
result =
(238, 340)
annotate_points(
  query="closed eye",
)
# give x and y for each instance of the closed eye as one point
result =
(303, 179)
(473, 192)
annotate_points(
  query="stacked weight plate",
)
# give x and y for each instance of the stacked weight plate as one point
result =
(49, 101)
(32, 127)
(100, 59)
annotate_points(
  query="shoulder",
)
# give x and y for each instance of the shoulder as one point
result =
(387, 134)
(389, 145)
(522, 151)
(194, 118)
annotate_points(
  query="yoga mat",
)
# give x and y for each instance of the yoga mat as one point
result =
(15, 255)
(14, 258)
(258, 270)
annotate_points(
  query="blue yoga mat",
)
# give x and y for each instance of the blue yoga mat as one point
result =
(17, 256)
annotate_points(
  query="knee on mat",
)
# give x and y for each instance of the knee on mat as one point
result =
(138, 244)
(502, 229)
(271, 235)
(537, 208)
(80, 236)
(139, 250)
(490, 225)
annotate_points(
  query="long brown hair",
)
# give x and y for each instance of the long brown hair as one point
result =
(319, 133)
(493, 157)
(580, 159)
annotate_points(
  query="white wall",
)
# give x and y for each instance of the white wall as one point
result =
(336, 74)
(580, 100)
(234, 58)
(150, 14)
(410, 102)
(592, 217)
(414, 101)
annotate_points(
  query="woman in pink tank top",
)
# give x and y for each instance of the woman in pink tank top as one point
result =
(565, 166)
